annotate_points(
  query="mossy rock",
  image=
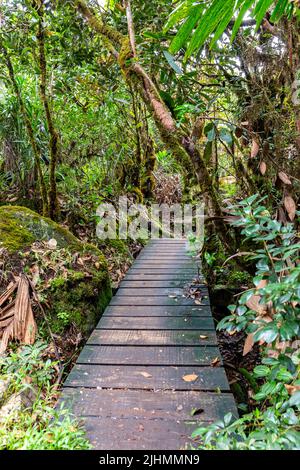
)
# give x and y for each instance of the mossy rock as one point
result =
(20, 227)
(80, 293)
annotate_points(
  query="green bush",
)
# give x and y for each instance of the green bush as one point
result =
(270, 314)
(37, 426)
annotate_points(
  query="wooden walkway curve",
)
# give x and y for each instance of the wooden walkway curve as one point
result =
(131, 383)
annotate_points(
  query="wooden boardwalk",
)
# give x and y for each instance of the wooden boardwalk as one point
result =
(132, 383)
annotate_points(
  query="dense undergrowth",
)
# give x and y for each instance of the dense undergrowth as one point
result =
(101, 99)
(269, 313)
(28, 420)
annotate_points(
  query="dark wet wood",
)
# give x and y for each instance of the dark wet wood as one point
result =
(143, 404)
(147, 377)
(158, 311)
(183, 322)
(140, 284)
(151, 361)
(150, 355)
(153, 337)
(156, 300)
(157, 291)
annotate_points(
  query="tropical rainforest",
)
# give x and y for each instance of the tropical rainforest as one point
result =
(164, 101)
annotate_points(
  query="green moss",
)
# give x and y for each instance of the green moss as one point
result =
(78, 296)
(13, 235)
(82, 297)
(20, 226)
(139, 194)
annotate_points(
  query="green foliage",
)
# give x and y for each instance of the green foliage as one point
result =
(204, 20)
(28, 362)
(50, 430)
(271, 313)
(38, 427)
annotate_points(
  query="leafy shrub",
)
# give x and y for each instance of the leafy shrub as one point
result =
(270, 314)
(38, 426)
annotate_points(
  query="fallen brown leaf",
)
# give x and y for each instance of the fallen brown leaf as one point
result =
(190, 377)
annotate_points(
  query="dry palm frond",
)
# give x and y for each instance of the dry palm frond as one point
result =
(16, 317)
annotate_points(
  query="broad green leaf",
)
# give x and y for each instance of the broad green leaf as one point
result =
(172, 62)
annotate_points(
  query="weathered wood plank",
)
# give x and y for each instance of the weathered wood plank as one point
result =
(158, 311)
(154, 283)
(170, 255)
(159, 300)
(181, 263)
(156, 291)
(145, 275)
(147, 377)
(132, 434)
(149, 355)
(156, 323)
(157, 276)
(192, 271)
(153, 337)
(163, 404)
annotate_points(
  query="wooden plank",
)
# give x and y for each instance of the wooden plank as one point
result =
(163, 404)
(156, 291)
(150, 355)
(193, 271)
(175, 283)
(132, 434)
(147, 377)
(156, 323)
(155, 283)
(153, 337)
(158, 300)
(165, 252)
(158, 311)
(182, 263)
(137, 276)
(164, 255)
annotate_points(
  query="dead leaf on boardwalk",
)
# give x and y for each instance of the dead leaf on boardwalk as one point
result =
(203, 337)
(248, 344)
(290, 207)
(215, 362)
(172, 296)
(190, 377)
(144, 374)
(198, 302)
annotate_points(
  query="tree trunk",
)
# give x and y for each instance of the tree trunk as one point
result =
(53, 139)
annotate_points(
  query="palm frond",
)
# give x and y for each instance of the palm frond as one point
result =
(200, 21)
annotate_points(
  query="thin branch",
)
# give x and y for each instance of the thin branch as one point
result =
(130, 27)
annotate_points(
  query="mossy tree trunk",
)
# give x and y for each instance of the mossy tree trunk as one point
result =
(53, 135)
(181, 144)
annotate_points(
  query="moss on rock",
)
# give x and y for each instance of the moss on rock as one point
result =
(74, 276)
(20, 227)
